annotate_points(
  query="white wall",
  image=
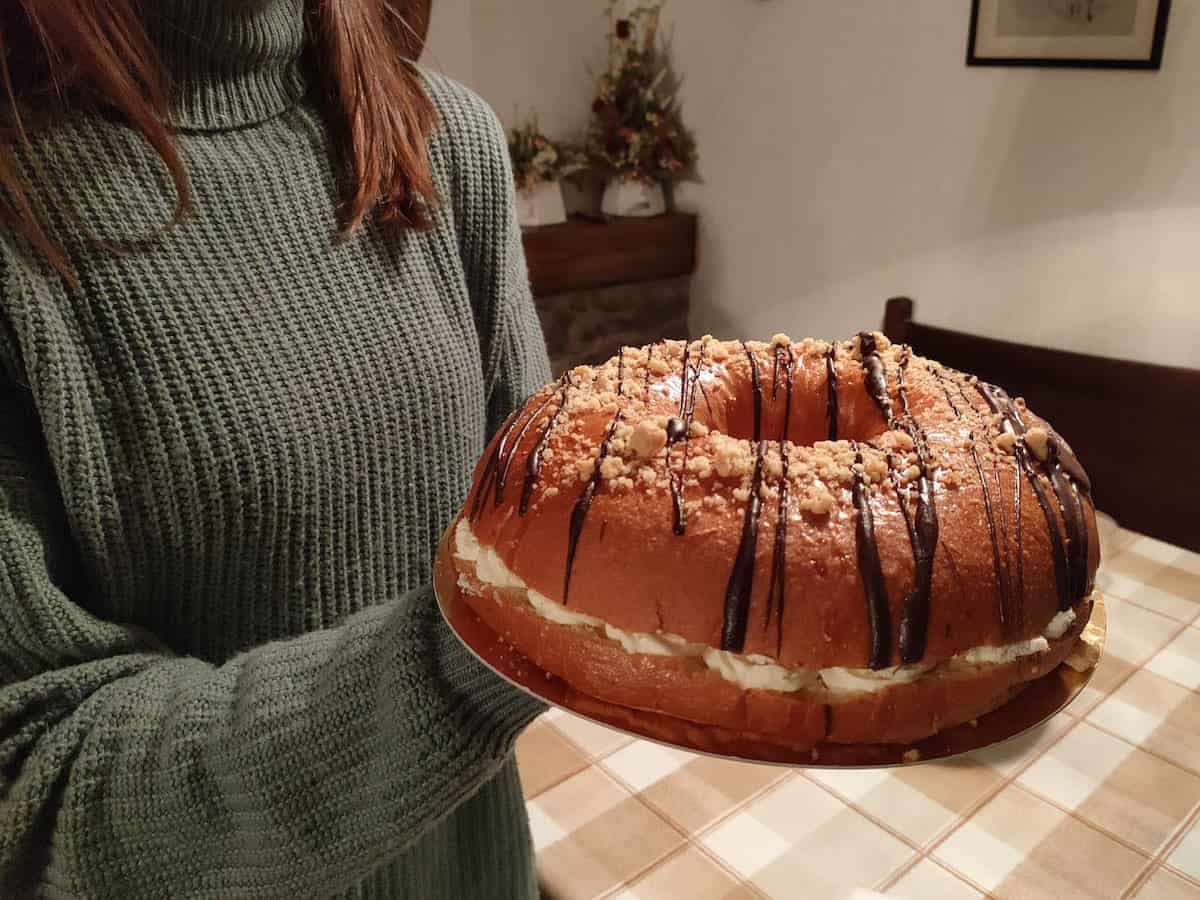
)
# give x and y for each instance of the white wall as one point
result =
(539, 56)
(448, 45)
(849, 154)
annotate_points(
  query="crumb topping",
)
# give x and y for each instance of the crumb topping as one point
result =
(635, 402)
(732, 458)
(700, 466)
(649, 436)
(612, 467)
(817, 499)
(1037, 440)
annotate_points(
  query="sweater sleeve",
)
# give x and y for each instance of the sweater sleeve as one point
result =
(521, 365)
(473, 148)
(290, 770)
(293, 769)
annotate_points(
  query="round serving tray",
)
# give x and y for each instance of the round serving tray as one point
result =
(1034, 705)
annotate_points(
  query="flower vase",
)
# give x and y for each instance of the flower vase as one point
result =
(541, 204)
(633, 197)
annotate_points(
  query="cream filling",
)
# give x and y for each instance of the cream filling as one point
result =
(745, 670)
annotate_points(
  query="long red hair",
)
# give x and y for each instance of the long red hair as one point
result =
(62, 55)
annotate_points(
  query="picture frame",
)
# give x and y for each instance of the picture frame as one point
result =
(1082, 34)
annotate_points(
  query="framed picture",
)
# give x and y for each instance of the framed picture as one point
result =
(1104, 34)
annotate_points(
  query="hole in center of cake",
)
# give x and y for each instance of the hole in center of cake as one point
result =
(807, 419)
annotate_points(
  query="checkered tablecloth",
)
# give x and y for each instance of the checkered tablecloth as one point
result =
(1101, 801)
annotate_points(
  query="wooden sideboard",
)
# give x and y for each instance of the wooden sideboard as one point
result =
(603, 283)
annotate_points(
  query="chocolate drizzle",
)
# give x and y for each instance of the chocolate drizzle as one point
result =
(502, 478)
(1002, 586)
(876, 374)
(620, 371)
(1003, 595)
(789, 369)
(677, 430)
(495, 471)
(871, 571)
(583, 505)
(941, 380)
(1071, 557)
(741, 578)
(492, 465)
(831, 392)
(923, 536)
(756, 386)
(779, 552)
(1071, 508)
(533, 462)
(1070, 464)
(680, 428)
(1058, 552)
(922, 525)
(1018, 529)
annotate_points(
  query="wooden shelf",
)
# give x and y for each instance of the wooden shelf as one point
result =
(584, 253)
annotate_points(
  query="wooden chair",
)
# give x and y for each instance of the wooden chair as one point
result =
(1134, 425)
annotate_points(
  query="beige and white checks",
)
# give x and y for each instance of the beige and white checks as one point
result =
(1101, 801)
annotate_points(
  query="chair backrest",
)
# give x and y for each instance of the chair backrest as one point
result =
(1135, 426)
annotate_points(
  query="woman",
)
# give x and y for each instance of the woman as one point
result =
(228, 445)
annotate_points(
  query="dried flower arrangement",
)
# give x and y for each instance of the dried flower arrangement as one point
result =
(537, 158)
(637, 131)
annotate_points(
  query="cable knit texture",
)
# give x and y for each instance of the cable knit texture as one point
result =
(226, 458)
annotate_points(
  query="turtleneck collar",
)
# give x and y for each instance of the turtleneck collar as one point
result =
(232, 62)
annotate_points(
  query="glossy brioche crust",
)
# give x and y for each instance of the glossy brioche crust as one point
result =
(578, 495)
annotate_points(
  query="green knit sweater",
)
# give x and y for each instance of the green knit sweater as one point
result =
(225, 461)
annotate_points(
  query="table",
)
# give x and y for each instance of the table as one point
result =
(1101, 801)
